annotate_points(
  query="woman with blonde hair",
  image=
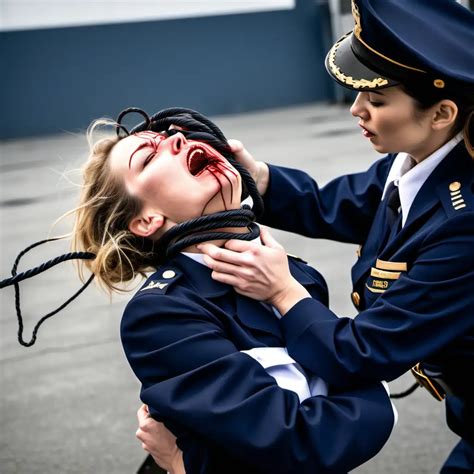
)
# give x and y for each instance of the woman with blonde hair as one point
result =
(212, 363)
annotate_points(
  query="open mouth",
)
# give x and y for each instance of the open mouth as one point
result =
(366, 133)
(197, 160)
(201, 157)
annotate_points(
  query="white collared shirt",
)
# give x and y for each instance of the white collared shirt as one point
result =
(410, 177)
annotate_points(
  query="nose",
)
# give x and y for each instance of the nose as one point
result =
(177, 142)
(357, 108)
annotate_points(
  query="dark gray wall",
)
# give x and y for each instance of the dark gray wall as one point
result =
(61, 79)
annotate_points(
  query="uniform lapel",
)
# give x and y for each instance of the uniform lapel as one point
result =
(451, 168)
(256, 315)
(251, 313)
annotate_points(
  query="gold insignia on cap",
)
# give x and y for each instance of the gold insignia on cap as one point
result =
(169, 274)
(349, 80)
(455, 186)
(357, 33)
(439, 83)
(356, 15)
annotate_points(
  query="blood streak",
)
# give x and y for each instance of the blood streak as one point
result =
(216, 165)
(150, 142)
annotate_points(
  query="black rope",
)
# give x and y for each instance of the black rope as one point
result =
(405, 393)
(195, 127)
(199, 128)
(18, 277)
(197, 230)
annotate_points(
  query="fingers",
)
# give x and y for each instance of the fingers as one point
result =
(227, 268)
(232, 256)
(268, 240)
(229, 279)
(142, 413)
(240, 245)
(236, 146)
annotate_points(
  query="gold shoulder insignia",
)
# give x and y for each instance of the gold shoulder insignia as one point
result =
(457, 199)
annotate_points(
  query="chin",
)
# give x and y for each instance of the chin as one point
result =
(381, 149)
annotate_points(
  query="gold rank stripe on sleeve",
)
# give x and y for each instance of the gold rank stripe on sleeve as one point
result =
(375, 272)
(392, 266)
(375, 290)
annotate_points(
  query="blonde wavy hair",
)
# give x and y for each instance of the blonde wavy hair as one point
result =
(102, 217)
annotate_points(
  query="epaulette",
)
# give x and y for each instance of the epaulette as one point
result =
(456, 197)
(161, 281)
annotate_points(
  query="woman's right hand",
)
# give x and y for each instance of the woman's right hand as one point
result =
(257, 169)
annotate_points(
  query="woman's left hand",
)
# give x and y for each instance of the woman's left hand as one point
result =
(260, 272)
(159, 442)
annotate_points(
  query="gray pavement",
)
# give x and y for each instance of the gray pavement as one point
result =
(68, 403)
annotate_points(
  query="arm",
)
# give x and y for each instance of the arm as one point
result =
(157, 440)
(194, 376)
(434, 297)
(342, 210)
(383, 341)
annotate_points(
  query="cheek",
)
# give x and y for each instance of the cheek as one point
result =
(396, 125)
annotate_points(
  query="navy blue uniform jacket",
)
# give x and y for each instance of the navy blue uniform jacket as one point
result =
(183, 333)
(415, 293)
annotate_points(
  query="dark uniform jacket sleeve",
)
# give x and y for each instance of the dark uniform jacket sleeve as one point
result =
(342, 210)
(194, 376)
(422, 312)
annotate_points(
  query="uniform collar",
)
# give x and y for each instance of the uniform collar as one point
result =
(410, 179)
(199, 276)
(456, 167)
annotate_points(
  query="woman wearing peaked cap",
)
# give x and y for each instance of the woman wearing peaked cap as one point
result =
(412, 213)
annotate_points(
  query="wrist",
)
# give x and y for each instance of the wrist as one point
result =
(177, 464)
(288, 297)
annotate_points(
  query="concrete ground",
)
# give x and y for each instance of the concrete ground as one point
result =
(68, 403)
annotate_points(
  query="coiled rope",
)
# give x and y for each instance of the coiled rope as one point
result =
(195, 126)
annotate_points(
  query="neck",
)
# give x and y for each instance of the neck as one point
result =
(430, 146)
(220, 242)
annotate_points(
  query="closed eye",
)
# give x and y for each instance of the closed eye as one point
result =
(148, 158)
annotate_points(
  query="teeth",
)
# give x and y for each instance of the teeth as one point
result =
(197, 161)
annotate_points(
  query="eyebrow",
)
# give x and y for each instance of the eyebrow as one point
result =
(139, 147)
(376, 92)
(148, 143)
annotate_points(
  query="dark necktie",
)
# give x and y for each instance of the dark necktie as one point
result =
(393, 204)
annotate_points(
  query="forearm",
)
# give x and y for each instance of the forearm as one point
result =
(342, 210)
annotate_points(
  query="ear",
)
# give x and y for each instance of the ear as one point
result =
(146, 224)
(445, 114)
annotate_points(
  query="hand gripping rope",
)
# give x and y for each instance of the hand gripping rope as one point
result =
(194, 127)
